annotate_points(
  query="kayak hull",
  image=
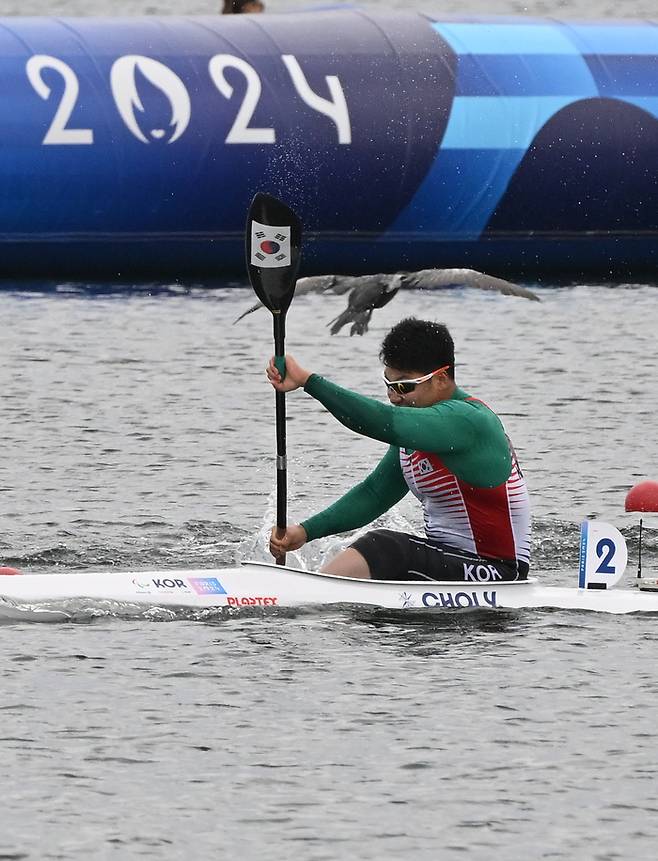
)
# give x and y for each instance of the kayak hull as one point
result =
(262, 585)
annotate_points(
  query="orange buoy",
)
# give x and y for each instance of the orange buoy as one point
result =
(9, 571)
(643, 497)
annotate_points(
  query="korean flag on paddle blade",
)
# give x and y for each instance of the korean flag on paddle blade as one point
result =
(270, 246)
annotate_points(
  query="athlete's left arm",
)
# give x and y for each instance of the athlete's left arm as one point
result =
(446, 427)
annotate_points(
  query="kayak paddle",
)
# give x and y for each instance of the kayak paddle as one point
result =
(273, 242)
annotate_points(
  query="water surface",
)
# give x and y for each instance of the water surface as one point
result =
(138, 432)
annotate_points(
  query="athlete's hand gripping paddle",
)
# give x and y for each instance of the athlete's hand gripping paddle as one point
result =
(273, 244)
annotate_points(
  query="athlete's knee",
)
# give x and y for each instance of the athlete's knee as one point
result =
(349, 563)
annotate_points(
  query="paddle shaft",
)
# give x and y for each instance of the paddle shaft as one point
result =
(273, 241)
(281, 465)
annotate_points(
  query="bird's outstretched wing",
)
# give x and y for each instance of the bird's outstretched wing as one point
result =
(436, 279)
(312, 284)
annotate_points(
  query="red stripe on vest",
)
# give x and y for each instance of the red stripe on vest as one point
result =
(488, 513)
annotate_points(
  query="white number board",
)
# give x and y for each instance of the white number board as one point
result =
(603, 555)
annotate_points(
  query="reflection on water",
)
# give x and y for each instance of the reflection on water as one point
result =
(426, 626)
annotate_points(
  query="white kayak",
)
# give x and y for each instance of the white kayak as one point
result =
(58, 597)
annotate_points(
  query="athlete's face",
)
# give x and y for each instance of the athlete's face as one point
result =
(429, 389)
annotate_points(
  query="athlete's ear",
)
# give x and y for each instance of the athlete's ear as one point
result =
(443, 381)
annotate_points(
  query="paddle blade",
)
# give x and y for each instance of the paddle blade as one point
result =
(273, 248)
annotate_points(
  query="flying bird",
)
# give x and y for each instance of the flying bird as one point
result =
(372, 291)
(367, 292)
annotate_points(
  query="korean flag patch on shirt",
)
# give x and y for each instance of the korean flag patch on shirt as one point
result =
(424, 466)
(270, 246)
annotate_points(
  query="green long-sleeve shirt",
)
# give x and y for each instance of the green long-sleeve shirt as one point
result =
(467, 435)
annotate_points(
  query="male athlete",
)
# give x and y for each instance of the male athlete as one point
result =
(445, 446)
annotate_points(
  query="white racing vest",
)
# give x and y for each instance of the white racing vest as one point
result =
(492, 522)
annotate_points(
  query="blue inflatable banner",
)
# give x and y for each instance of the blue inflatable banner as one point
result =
(134, 146)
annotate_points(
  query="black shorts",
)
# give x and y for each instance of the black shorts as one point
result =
(399, 556)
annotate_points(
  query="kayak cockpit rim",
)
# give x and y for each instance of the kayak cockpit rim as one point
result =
(446, 584)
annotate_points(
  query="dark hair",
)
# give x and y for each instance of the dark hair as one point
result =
(418, 345)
